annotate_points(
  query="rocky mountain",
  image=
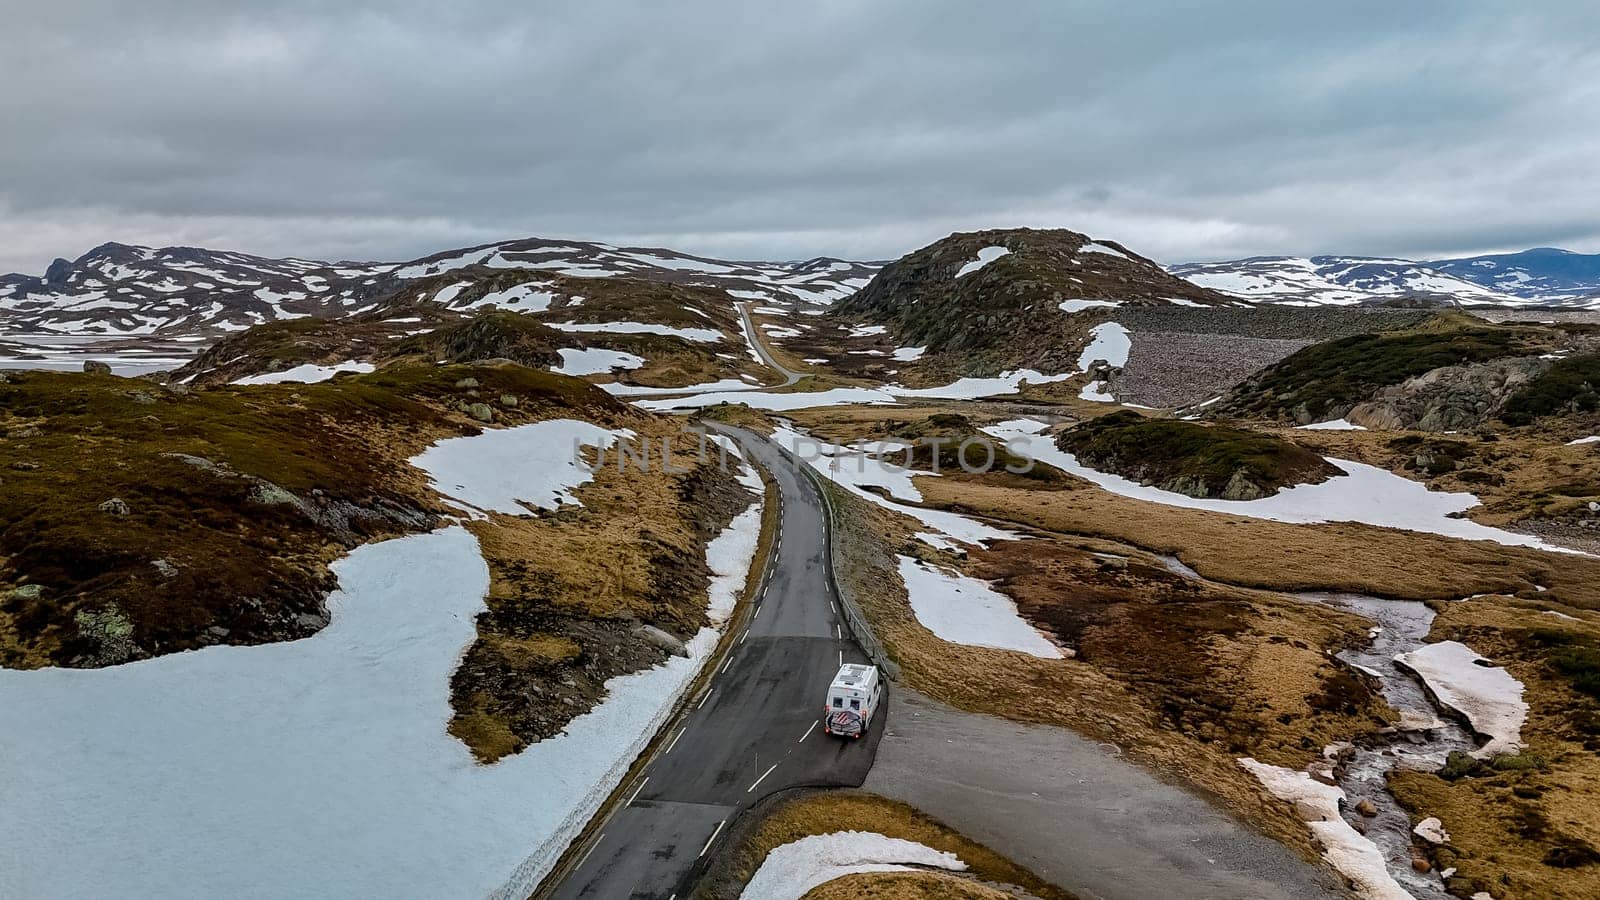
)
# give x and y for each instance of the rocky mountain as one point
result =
(117, 289)
(1543, 277)
(1014, 296)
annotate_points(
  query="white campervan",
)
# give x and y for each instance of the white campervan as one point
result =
(852, 699)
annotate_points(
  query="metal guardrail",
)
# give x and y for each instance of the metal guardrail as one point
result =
(860, 629)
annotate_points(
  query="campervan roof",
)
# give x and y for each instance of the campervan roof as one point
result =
(852, 674)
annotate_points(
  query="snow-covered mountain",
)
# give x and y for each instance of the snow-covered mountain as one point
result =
(117, 289)
(1543, 272)
(1530, 278)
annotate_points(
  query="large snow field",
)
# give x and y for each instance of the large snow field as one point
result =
(504, 469)
(319, 767)
(308, 374)
(1348, 851)
(964, 610)
(1365, 494)
(792, 869)
(594, 361)
(1489, 697)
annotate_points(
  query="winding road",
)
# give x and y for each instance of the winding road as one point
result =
(754, 338)
(752, 732)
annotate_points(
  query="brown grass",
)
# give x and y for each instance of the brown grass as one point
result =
(833, 811)
(905, 886)
(1078, 695)
(1276, 556)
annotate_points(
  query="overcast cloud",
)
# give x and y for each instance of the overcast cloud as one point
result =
(388, 130)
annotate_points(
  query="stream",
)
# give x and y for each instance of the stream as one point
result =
(1424, 738)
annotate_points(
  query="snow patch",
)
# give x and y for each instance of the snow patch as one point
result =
(308, 374)
(506, 470)
(700, 335)
(985, 256)
(1489, 697)
(594, 361)
(1108, 342)
(967, 611)
(1350, 853)
(793, 869)
(1072, 306)
(1333, 425)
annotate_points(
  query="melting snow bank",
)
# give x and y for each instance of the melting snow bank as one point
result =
(321, 767)
(1487, 695)
(308, 374)
(318, 767)
(790, 870)
(1591, 439)
(964, 610)
(1364, 494)
(1333, 425)
(502, 470)
(1352, 855)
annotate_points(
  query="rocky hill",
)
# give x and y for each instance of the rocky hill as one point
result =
(1452, 372)
(1193, 459)
(1013, 297)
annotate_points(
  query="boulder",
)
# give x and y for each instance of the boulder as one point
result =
(481, 411)
(1367, 808)
(96, 367)
(656, 637)
(467, 383)
(116, 506)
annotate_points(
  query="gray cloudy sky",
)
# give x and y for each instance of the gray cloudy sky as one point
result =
(781, 130)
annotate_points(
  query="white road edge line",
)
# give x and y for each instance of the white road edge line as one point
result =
(745, 635)
(712, 838)
(726, 664)
(637, 791)
(585, 858)
(763, 776)
(675, 740)
(808, 732)
(841, 657)
(707, 696)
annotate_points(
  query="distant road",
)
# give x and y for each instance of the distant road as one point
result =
(756, 731)
(760, 347)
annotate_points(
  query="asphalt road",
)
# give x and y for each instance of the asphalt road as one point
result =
(760, 347)
(755, 731)
(1076, 812)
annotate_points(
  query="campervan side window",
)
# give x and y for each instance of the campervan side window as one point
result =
(838, 703)
(855, 704)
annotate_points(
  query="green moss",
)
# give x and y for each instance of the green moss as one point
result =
(1570, 385)
(1328, 378)
(1195, 459)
